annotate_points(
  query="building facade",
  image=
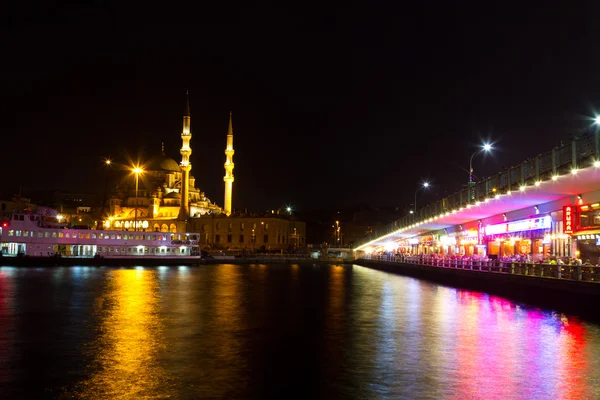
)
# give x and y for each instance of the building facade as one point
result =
(270, 232)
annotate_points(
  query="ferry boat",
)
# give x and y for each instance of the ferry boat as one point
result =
(27, 234)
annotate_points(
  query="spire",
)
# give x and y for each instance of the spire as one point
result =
(162, 148)
(230, 131)
(186, 112)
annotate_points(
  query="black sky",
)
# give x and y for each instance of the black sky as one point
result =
(333, 103)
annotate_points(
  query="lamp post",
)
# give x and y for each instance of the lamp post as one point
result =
(424, 186)
(485, 148)
(137, 171)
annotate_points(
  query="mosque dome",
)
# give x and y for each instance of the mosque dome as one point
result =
(172, 195)
(163, 163)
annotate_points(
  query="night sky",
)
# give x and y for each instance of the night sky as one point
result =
(334, 104)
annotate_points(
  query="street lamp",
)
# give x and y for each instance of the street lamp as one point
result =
(137, 171)
(424, 186)
(485, 148)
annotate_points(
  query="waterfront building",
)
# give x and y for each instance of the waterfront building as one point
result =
(270, 232)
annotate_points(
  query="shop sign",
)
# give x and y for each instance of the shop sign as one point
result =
(519, 226)
(568, 219)
(588, 237)
(470, 233)
(426, 240)
(446, 240)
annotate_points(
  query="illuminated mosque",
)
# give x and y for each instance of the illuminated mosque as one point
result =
(162, 196)
(166, 195)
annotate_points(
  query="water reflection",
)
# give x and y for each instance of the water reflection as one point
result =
(126, 364)
(7, 328)
(280, 331)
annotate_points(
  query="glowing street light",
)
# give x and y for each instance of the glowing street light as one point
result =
(137, 171)
(425, 185)
(485, 148)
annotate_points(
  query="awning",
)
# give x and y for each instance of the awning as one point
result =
(587, 232)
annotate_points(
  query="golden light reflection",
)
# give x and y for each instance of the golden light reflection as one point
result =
(336, 291)
(228, 347)
(126, 353)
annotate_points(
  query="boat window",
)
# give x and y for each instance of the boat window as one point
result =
(11, 232)
(67, 235)
(118, 236)
(112, 236)
(18, 233)
(47, 234)
(81, 236)
(54, 234)
(60, 234)
(25, 234)
(93, 236)
(41, 234)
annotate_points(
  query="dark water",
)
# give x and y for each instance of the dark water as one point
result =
(279, 331)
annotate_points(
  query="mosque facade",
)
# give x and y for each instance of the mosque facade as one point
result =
(164, 198)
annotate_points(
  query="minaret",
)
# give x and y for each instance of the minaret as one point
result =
(186, 166)
(229, 169)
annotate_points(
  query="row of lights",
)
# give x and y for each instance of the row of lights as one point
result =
(522, 188)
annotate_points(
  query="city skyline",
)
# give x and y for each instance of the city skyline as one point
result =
(330, 109)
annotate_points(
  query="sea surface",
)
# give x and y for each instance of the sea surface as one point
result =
(280, 331)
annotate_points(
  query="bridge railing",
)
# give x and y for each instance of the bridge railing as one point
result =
(584, 273)
(579, 153)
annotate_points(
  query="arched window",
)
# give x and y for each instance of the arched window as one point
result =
(164, 228)
(242, 226)
(173, 228)
(218, 225)
(156, 228)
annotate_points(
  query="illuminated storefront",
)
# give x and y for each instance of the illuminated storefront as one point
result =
(522, 237)
(403, 246)
(586, 220)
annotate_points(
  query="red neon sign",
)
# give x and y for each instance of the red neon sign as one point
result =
(568, 219)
